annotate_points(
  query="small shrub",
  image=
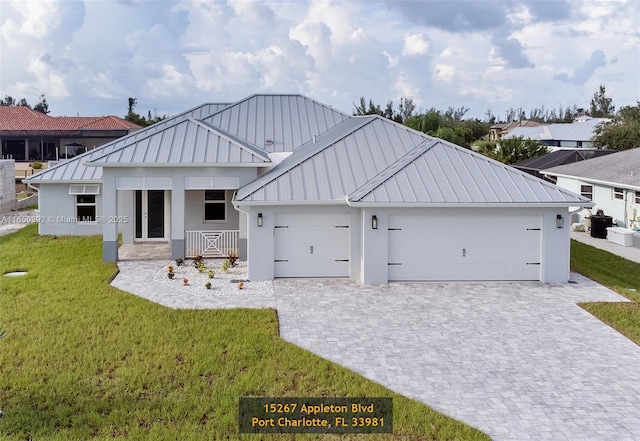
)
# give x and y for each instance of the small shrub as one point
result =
(36, 165)
(171, 274)
(233, 259)
(211, 274)
(240, 285)
(185, 281)
(179, 261)
(207, 285)
(225, 266)
(197, 259)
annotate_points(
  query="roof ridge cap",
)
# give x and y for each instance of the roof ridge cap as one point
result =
(391, 170)
(239, 142)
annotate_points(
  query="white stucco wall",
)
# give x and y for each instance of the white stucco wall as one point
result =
(57, 210)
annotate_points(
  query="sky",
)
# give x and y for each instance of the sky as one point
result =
(88, 57)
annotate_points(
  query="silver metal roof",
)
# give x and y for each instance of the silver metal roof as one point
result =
(440, 173)
(577, 131)
(277, 123)
(619, 170)
(371, 160)
(188, 142)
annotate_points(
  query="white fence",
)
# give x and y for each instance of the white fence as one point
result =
(211, 243)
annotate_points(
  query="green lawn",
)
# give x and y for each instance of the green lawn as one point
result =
(622, 276)
(85, 361)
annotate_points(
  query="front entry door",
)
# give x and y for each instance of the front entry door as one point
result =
(150, 215)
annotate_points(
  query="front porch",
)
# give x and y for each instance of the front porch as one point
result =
(208, 244)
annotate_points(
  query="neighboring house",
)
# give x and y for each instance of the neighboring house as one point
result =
(612, 182)
(578, 134)
(534, 166)
(300, 189)
(500, 130)
(28, 135)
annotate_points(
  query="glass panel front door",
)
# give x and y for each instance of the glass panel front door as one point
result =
(149, 208)
(155, 209)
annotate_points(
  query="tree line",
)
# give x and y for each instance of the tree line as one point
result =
(621, 132)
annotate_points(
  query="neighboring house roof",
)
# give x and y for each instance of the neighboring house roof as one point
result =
(371, 160)
(560, 157)
(187, 142)
(619, 170)
(22, 119)
(506, 127)
(276, 123)
(576, 131)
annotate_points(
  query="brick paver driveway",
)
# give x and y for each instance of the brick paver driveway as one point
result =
(520, 361)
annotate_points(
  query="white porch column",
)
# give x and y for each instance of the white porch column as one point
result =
(177, 217)
(109, 211)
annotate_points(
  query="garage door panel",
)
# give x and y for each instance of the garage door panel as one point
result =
(453, 247)
(311, 245)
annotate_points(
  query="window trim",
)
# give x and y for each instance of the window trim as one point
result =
(587, 194)
(80, 189)
(86, 204)
(214, 201)
(617, 191)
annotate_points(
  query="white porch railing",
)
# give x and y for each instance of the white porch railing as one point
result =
(211, 243)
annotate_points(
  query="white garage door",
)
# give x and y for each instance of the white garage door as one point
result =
(477, 246)
(311, 245)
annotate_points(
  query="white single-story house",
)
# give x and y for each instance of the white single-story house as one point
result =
(300, 189)
(575, 135)
(612, 182)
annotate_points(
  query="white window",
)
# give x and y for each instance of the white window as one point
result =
(86, 208)
(215, 207)
(618, 193)
(587, 191)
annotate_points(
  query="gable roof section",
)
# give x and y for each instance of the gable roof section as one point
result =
(185, 143)
(75, 170)
(619, 170)
(438, 173)
(341, 160)
(276, 123)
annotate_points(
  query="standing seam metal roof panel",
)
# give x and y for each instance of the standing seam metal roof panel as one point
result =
(514, 186)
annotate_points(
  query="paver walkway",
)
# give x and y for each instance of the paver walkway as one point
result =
(520, 361)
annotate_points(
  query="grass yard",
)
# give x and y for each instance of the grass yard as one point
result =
(85, 361)
(622, 276)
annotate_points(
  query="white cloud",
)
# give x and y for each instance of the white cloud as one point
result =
(415, 44)
(176, 54)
